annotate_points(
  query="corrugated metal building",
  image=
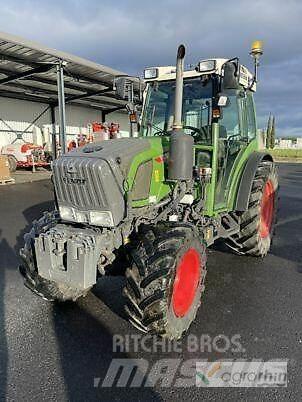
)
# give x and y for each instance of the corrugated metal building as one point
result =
(29, 88)
(16, 116)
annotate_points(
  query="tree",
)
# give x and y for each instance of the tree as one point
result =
(268, 132)
(273, 134)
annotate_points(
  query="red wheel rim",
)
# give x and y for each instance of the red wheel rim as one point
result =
(186, 282)
(267, 209)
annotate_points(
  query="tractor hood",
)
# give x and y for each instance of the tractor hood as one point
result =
(90, 181)
(120, 151)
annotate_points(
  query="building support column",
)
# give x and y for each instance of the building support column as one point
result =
(61, 104)
(53, 132)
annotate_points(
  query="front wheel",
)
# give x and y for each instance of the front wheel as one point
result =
(166, 281)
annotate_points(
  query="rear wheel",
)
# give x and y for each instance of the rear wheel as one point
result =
(166, 281)
(257, 223)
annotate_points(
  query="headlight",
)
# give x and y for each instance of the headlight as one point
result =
(101, 218)
(73, 215)
(96, 218)
(66, 213)
(207, 65)
(150, 73)
(80, 216)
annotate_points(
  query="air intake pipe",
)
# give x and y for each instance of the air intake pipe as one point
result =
(181, 145)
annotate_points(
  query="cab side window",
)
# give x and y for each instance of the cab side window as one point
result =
(250, 116)
(231, 120)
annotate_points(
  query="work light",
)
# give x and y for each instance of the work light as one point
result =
(150, 73)
(206, 65)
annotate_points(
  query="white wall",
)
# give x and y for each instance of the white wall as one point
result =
(19, 114)
(299, 142)
(285, 144)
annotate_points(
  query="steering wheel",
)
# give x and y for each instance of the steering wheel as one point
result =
(234, 136)
(198, 132)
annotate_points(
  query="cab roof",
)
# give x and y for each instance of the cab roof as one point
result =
(165, 73)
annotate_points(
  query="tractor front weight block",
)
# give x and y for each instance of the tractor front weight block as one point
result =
(68, 256)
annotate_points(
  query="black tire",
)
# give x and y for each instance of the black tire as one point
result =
(150, 282)
(12, 161)
(254, 237)
(48, 290)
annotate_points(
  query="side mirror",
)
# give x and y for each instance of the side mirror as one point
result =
(123, 88)
(231, 76)
(129, 88)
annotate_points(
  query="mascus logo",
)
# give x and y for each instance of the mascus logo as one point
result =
(74, 180)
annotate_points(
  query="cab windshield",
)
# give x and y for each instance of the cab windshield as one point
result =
(196, 112)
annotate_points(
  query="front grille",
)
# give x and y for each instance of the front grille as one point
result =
(88, 184)
(88, 194)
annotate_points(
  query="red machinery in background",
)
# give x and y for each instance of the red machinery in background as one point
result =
(105, 130)
(99, 132)
(26, 155)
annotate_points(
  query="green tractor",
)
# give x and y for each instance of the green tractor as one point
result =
(196, 172)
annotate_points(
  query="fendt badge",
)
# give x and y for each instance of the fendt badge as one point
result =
(74, 180)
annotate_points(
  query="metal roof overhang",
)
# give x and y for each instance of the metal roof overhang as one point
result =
(28, 72)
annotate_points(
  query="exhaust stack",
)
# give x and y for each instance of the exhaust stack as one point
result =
(181, 145)
(181, 51)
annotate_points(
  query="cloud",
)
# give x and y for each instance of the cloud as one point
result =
(130, 35)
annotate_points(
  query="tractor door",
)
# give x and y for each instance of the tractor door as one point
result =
(236, 129)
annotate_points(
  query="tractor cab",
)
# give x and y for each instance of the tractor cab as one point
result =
(217, 111)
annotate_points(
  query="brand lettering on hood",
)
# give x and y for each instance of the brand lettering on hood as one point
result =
(74, 180)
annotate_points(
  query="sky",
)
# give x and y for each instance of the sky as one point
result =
(130, 35)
